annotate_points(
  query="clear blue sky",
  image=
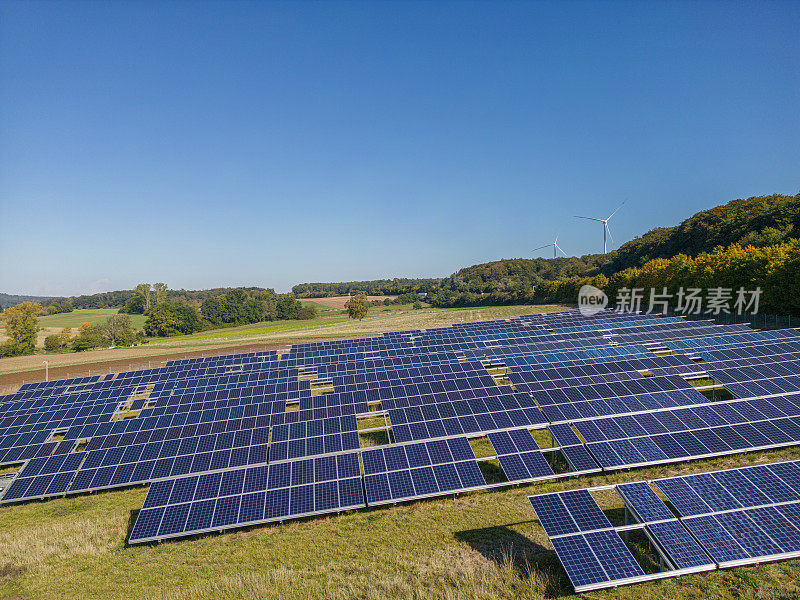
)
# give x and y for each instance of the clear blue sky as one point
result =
(212, 144)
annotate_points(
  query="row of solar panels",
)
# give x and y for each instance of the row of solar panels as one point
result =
(720, 519)
(441, 478)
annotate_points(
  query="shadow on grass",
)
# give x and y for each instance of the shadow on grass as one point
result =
(131, 522)
(511, 550)
(373, 438)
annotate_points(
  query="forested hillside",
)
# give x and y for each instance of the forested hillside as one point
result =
(745, 243)
(758, 221)
(7, 300)
(518, 273)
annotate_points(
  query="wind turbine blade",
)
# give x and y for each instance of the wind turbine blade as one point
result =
(562, 251)
(556, 240)
(540, 247)
(590, 218)
(615, 212)
(609, 232)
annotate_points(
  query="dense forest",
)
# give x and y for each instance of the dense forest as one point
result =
(519, 274)
(775, 269)
(119, 298)
(7, 300)
(758, 221)
(378, 287)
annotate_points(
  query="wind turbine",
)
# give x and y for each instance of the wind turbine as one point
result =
(555, 246)
(606, 230)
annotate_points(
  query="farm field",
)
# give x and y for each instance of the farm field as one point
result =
(95, 316)
(339, 301)
(55, 323)
(327, 324)
(481, 545)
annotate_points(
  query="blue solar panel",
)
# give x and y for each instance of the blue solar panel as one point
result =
(613, 555)
(679, 545)
(579, 561)
(644, 502)
(514, 468)
(748, 535)
(715, 539)
(712, 493)
(200, 418)
(770, 484)
(424, 481)
(553, 515)
(683, 498)
(579, 458)
(584, 510)
(377, 488)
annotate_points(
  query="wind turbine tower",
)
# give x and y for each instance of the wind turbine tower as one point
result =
(606, 230)
(555, 246)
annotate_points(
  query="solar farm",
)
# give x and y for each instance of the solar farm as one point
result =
(243, 440)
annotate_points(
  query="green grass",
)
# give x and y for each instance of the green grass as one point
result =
(335, 323)
(95, 316)
(485, 545)
(263, 328)
(320, 307)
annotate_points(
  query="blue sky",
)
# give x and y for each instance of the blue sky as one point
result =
(217, 144)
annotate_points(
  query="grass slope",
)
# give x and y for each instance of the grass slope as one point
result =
(96, 316)
(483, 545)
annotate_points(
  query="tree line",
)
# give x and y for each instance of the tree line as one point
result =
(775, 269)
(238, 306)
(378, 287)
(166, 316)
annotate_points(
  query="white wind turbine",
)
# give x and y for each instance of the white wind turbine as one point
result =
(555, 246)
(606, 230)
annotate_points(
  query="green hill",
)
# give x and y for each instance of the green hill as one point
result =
(757, 221)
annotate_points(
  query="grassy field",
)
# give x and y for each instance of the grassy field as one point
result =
(96, 316)
(335, 323)
(483, 545)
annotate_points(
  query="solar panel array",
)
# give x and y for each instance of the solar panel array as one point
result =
(721, 519)
(241, 439)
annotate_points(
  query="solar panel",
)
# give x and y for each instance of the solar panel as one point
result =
(579, 561)
(679, 546)
(644, 503)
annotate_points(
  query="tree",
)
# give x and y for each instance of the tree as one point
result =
(22, 325)
(172, 319)
(160, 290)
(134, 306)
(52, 342)
(213, 310)
(143, 290)
(118, 327)
(357, 307)
(60, 306)
(89, 336)
(65, 335)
